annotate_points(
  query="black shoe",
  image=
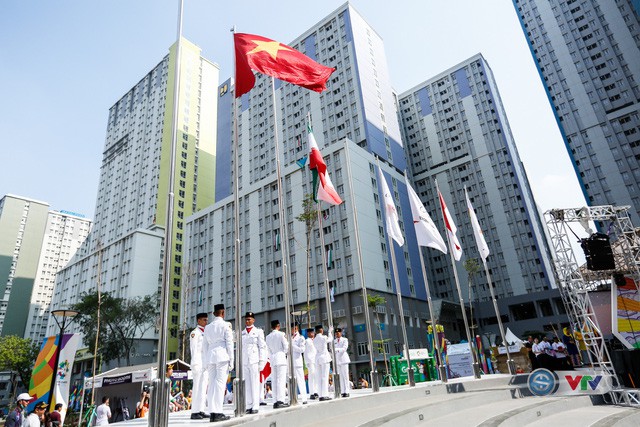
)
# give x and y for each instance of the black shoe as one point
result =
(312, 397)
(197, 416)
(252, 411)
(279, 404)
(316, 395)
(263, 403)
(304, 403)
(203, 415)
(324, 399)
(345, 394)
(218, 417)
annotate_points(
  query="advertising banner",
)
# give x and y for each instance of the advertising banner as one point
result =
(543, 382)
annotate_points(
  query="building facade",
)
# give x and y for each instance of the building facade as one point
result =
(588, 57)
(36, 244)
(124, 249)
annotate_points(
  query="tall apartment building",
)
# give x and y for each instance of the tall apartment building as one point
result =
(354, 121)
(457, 132)
(127, 236)
(588, 57)
(35, 243)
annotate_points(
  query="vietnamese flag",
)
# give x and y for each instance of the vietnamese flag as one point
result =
(277, 60)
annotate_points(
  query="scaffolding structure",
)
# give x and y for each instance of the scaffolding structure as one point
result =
(575, 283)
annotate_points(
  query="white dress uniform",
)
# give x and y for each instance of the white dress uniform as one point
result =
(198, 370)
(217, 350)
(278, 347)
(323, 360)
(342, 360)
(254, 356)
(310, 359)
(298, 347)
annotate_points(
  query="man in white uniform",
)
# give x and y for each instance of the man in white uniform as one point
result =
(323, 360)
(298, 347)
(341, 344)
(254, 356)
(310, 359)
(278, 347)
(200, 377)
(217, 350)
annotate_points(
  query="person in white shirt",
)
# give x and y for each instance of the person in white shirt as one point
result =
(537, 350)
(36, 418)
(254, 356)
(323, 360)
(341, 344)
(278, 347)
(217, 350)
(310, 359)
(200, 377)
(103, 412)
(298, 347)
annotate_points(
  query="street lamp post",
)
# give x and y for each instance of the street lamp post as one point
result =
(67, 316)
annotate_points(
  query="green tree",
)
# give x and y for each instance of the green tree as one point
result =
(472, 267)
(121, 322)
(373, 301)
(309, 216)
(18, 355)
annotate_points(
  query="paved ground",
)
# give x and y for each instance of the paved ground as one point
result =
(494, 400)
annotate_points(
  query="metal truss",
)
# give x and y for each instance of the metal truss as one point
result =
(575, 283)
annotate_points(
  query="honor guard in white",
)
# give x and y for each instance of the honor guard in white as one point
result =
(341, 344)
(323, 361)
(310, 360)
(254, 357)
(278, 347)
(198, 368)
(298, 347)
(217, 350)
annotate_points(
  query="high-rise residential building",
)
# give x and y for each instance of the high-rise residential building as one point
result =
(457, 132)
(64, 233)
(35, 243)
(124, 249)
(588, 57)
(356, 124)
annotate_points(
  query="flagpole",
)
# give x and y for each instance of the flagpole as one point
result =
(327, 296)
(410, 376)
(284, 247)
(159, 411)
(476, 366)
(375, 385)
(238, 382)
(510, 363)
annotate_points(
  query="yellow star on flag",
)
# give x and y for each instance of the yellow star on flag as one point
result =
(272, 48)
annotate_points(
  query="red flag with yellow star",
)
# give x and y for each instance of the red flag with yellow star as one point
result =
(277, 60)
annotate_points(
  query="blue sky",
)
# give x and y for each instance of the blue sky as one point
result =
(64, 63)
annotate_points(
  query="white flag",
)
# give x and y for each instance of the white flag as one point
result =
(391, 214)
(451, 229)
(477, 231)
(426, 231)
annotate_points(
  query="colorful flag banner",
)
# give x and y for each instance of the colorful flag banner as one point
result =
(45, 368)
(451, 228)
(323, 188)
(426, 231)
(277, 60)
(483, 249)
(391, 214)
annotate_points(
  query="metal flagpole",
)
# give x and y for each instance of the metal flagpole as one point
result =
(476, 366)
(327, 296)
(159, 411)
(284, 247)
(442, 370)
(375, 385)
(510, 363)
(410, 377)
(238, 382)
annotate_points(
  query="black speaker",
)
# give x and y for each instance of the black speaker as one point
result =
(597, 250)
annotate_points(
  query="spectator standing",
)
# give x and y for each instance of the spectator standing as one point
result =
(18, 415)
(56, 416)
(103, 413)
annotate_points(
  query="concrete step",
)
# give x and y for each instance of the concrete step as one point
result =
(584, 416)
(621, 417)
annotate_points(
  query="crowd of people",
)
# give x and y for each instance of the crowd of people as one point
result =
(38, 417)
(212, 358)
(555, 353)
